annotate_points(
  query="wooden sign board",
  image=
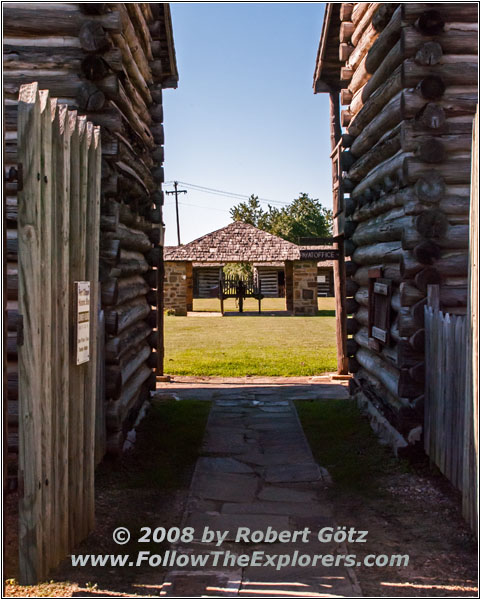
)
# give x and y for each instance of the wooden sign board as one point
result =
(319, 254)
(82, 330)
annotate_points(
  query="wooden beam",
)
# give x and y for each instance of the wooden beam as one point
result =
(339, 271)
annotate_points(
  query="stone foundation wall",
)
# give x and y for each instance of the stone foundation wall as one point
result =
(304, 285)
(178, 287)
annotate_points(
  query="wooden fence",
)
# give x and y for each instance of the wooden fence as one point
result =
(59, 159)
(444, 423)
(452, 374)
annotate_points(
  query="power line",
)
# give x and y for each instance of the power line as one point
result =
(232, 195)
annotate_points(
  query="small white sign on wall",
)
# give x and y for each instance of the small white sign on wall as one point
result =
(82, 338)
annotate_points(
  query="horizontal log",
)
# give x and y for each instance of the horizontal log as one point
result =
(131, 263)
(129, 288)
(383, 252)
(453, 41)
(388, 374)
(132, 68)
(384, 204)
(409, 294)
(452, 297)
(117, 376)
(456, 237)
(448, 263)
(118, 410)
(455, 12)
(126, 216)
(386, 147)
(431, 224)
(345, 31)
(360, 50)
(427, 276)
(61, 20)
(412, 139)
(119, 318)
(389, 271)
(133, 335)
(363, 23)
(460, 73)
(425, 251)
(455, 171)
(345, 11)
(344, 51)
(388, 64)
(364, 109)
(362, 296)
(383, 175)
(129, 238)
(108, 223)
(110, 250)
(386, 40)
(109, 291)
(386, 227)
(18, 57)
(362, 316)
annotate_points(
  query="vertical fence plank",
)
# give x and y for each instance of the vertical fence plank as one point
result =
(92, 274)
(76, 372)
(29, 354)
(47, 396)
(61, 159)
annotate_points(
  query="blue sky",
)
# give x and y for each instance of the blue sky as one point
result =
(244, 118)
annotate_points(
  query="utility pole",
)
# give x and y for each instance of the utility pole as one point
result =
(176, 192)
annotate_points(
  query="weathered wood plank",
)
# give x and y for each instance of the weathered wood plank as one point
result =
(48, 374)
(29, 355)
(93, 165)
(61, 216)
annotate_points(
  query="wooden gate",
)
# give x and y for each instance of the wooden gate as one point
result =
(58, 251)
(239, 288)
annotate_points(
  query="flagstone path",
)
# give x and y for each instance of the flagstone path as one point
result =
(257, 471)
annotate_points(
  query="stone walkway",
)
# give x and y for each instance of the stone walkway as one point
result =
(257, 472)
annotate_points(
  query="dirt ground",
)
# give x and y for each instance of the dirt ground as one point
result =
(415, 512)
(418, 514)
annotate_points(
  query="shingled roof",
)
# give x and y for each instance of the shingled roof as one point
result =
(238, 242)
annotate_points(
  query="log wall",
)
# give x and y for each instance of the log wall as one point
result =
(111, 63)
(409, 94)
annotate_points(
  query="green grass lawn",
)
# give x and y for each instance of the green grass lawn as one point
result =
(342, 440)
(251, 304)
(252, 345)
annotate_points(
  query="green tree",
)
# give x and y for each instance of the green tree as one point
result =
(303, 217)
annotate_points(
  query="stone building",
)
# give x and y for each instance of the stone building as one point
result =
(193, 270)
